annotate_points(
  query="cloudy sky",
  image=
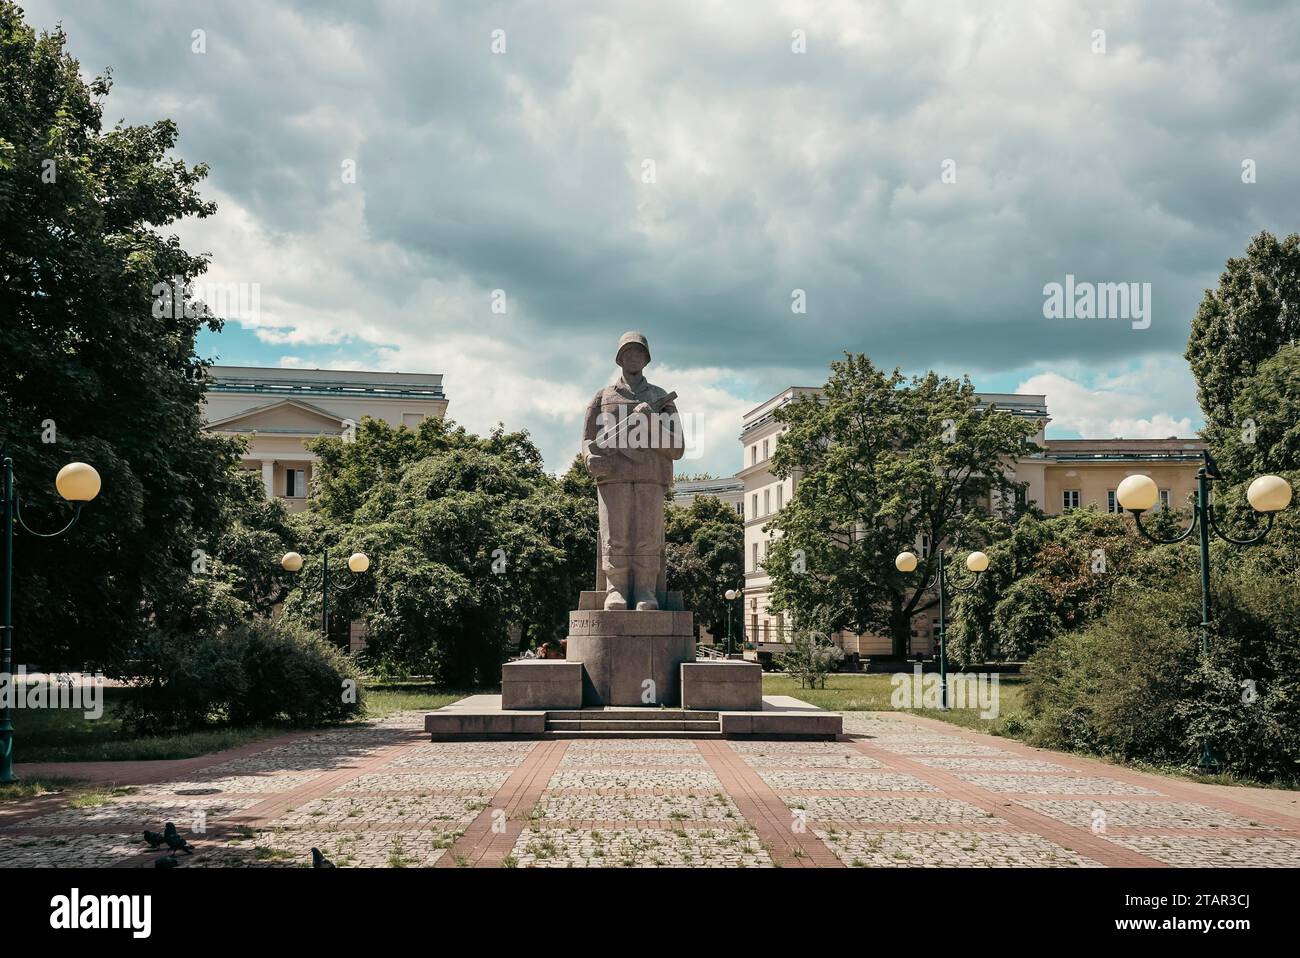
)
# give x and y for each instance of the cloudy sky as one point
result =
(920, 171)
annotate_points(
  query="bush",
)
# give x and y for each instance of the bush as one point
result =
(1134, 685)
(241, 675)
(810, 657)
(293, 675)
(184, 679)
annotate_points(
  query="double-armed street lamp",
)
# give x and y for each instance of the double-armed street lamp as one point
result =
(976, 563)
(77, 483)
(1266, 495)
(731, 595)
(358, 563)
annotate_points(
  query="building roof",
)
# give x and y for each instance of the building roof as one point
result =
(1172, 449)
(276, 383)
(708, 487)
(1025, 405)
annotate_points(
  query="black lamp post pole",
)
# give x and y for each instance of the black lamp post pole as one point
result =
(1203, 520)
(325, 594)
(13, 516)
(942, 584)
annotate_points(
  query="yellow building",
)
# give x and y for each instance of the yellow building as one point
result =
(1068, 474)
(279, 410)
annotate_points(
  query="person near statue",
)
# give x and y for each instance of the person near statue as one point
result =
(631, 438)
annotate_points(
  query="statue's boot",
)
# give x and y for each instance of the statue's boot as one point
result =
(647, 574)
(616, 597)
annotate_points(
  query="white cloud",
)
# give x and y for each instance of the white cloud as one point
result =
(1132, 405)
(776, 170)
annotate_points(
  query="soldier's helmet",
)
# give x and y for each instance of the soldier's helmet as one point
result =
(632, 338)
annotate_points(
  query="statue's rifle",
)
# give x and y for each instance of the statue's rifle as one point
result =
(608, 434)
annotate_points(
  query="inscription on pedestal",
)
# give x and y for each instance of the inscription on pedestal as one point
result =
(631, 658)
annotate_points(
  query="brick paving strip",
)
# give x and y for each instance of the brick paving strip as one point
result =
(770, 817)
(1265, 806)
(263, 810)
(481, 846)
(272, 807)
(1079, 839)
(122, 774)
(999, 804)
(501, 789)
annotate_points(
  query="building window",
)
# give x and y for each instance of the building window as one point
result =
(1070, 499)
(1164, 498)
(753, 454)
(754, 564)
(740, 508)
(780, 497)
(294, 483)
(754, 512)
(765, 450)
(1111, 504)
(767, 502)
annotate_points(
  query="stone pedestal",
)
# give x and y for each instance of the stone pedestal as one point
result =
(722, 686)
(631, 658)
(541, 684)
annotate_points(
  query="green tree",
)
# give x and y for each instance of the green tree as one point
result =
(1254, 312)
(467, 535)
(1265, 412)
(705, 547)
(1264, 440)
(256, 532)
(884, 463)
(92, 367)
(1054, 575)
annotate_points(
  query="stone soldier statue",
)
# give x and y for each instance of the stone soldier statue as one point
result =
(630, 440)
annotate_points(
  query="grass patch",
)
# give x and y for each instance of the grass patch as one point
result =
(385, 697)
(99, 796)
(871, 692)
(28, 788)
(66, 735)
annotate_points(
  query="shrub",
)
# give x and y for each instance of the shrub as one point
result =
(242, 675)
(293, 675)
(1133, 684)
(185, 680)
(810, 657)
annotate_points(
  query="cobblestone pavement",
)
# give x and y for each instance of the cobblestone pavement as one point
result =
(895, 791)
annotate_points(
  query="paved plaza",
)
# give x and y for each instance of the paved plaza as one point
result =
(895, 791)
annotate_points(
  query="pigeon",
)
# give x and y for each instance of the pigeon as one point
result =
(320, 861)
(174, 840)
(167, 861)
(153, 838)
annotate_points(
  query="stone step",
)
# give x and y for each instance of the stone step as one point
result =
(631, 715)
(614, 725)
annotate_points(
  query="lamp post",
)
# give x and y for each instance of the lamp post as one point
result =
(358, 563)
(976, 562)
(1267, 495)
(731, 595)
(77, 483)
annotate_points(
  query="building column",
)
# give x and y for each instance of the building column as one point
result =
(268, 477)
